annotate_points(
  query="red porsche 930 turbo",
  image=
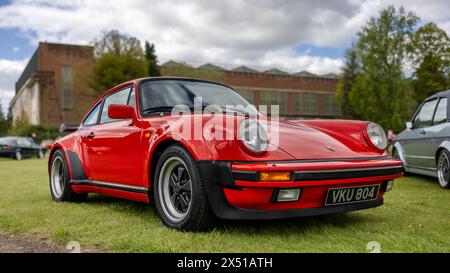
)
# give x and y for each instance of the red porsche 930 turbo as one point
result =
(199, 152)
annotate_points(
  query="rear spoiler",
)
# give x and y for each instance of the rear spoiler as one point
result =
(68, 128)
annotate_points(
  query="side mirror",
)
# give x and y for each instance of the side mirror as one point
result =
(117, 111)
(409, 125)
(67, 128)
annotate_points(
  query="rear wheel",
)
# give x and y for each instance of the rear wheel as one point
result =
(443, 169)
(180, 198)
(60, 188)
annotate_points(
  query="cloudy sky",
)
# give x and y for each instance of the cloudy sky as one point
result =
(291, 35)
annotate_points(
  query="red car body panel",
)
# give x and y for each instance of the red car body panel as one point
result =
(123, 153)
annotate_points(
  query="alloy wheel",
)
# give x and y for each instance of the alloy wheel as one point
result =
(443, 169)
(175, 189)
(57, 177)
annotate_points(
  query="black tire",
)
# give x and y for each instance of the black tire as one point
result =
(395, 153)
(443, 169)
(60, 188)
(198, 216)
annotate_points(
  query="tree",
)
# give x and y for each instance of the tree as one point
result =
(176, 69)
(152, 60)
(382, 92)
(115, 43)
(430, 56)
(119, 58)
(111, 70)
(3, 121)
(347, 80)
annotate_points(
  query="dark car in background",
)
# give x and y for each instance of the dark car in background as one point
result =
(424, 146)
(19, 147)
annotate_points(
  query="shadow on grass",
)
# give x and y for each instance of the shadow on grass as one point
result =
(341, 220)
(432, 181)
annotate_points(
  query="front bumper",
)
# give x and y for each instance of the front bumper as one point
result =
(235, 193)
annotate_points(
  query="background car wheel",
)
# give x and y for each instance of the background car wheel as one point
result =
(40, 154)
(59, 181)
(180, 198)
(18, 155)
(395, 153)
(443, 166)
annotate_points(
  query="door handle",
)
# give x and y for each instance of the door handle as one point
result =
(422, 132)
(90, 135)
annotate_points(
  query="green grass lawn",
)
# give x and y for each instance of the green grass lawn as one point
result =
(415, 218)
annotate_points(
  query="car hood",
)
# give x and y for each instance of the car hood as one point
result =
(295, 139)
(302, 141)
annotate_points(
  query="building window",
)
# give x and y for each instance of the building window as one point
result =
(275, 98)
(67, 88)
(247, 94)
(306, 103)
(330, 105)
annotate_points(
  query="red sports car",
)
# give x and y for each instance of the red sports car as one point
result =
(199, 152)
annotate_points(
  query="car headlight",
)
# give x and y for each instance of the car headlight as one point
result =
(253, 135)
(377, 135)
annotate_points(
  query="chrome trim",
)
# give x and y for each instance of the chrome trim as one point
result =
(109, 185)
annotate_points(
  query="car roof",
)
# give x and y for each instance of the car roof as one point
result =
(439, 95)
(139, 80)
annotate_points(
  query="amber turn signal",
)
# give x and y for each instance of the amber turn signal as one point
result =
(274, 176)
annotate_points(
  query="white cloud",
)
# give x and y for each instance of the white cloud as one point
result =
(10, 71)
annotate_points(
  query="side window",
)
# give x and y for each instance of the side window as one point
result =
(119, 97)
(441, 112)
(93, 116)
(26, 142)
(67, 88)
(131, 99)
(423, 118)
(19, 142)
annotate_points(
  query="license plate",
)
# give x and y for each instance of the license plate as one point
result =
(337, 196)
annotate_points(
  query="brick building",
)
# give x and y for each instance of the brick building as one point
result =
(54, 86)
(299, 95)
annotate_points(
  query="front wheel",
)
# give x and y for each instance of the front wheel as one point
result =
(60, 188)
(443, 169)
(18, 155)
(180, 198)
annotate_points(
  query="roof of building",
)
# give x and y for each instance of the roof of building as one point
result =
(305, 74)
(275, 72)
(211, 66)
(330, 75)
(244, 68)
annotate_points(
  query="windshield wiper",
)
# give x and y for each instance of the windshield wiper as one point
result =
(160, 109)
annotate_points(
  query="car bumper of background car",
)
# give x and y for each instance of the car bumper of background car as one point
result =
(235, 192)
(7, 153)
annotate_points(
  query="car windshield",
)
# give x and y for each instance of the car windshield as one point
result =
(6, 140)
(163, 95)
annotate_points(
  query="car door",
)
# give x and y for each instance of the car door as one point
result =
(113, 147)
(26, 147)
(434, 135)
(415, 146)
